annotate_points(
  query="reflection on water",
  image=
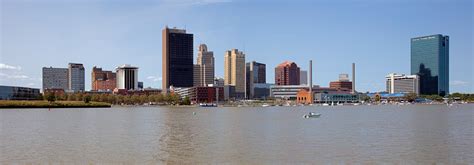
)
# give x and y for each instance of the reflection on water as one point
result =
(415, 134)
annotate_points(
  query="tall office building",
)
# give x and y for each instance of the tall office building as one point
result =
(55, 78)
(303, 77)
(430, 61)
(400, 83)
(127, 77)
(204, 69)
(287, 73)
(76, 77)
(255, 73)
(177, 62)
(234, 71)
(102, 80)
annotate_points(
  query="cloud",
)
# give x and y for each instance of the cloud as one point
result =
(14, 76)
(9, 67)
(154, 78)
(459, 83)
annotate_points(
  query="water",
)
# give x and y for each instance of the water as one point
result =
(415, 134)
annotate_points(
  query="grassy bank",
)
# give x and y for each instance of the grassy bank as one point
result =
(56, 104)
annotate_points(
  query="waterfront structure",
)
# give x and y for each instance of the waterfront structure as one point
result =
(204, 68)
(342, 84)
(261, 90)
(76, 77)
(400, 83)
(207, 94)
(303, 77)
(18, 93)
(254, 73)
(286, 91)
(127, 77)
(287, 73)
(145, 91)
(335, 98)
(430, 61)
(177, 58)
(234, 71)
(102, 80)
(55, 78)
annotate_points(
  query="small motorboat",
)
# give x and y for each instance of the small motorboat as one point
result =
(312, 115)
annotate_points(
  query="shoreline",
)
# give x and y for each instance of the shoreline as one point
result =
(11, 104)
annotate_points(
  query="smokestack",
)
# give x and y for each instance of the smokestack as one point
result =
(353, 78)
(310, 76)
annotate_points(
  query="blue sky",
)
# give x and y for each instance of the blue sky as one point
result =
(375, 34)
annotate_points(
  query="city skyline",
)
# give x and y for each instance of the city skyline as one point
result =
(370, 49)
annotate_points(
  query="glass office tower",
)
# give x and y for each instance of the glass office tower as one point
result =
(430, 61)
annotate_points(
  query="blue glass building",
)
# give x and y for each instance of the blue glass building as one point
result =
(430, 61)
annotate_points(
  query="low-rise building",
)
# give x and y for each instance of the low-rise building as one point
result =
(400, 83)
(286, 91)
(18, 93)
(207, 94)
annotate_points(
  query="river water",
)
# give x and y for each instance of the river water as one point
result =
(413, 134)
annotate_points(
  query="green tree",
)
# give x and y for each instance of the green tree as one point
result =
(87, 98)
(50, 97)
(186, 101)
(410, 97)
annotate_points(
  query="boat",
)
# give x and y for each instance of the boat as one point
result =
(312, 115)
(207, 105)
(265, 105)
(325, 104)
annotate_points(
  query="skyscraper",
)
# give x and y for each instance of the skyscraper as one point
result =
(127, 77)
(55, 78)
(234, 71)
(177, 62)
(430, 61)
(287, 73)
(76, 77)
(255, 74)
(204, 69)
(303, 77)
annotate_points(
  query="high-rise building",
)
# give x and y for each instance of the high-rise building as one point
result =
(255, 74)
(76, 77)
(177, 62)
(102, 80)
(127, 77)
(287, 73)
(204, 69)
(234, 71)
(55, 78)
(430, 61)
(400, 83)
(303, 77)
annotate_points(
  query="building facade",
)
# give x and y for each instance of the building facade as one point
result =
(303, 77)
(127, 77)
(255, 73)
(208, 94)
(287, 73)
(103, 80)
(204, 68)
(342, 84)
(400, 83)
(55, 78)
(76, 77)
(177, 58)
(234, 71)
(18, 93)
(430, 61)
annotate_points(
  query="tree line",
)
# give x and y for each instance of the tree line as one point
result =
(168, 99)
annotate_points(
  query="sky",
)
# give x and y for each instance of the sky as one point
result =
(375, 34)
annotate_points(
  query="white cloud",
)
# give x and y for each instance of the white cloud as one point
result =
(14, 76)
(154, 78)
(459, 83)
(9, 67)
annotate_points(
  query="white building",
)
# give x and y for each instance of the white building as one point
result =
(55, 78)
(286, 91)
(127, 77)
(400, 83)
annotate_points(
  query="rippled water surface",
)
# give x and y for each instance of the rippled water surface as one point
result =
(415, 134)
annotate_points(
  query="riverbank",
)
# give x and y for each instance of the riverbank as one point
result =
(56, 104)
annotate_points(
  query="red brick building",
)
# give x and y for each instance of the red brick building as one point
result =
(103, 80)
(287, 73)
(206, 94)
(341, 85)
